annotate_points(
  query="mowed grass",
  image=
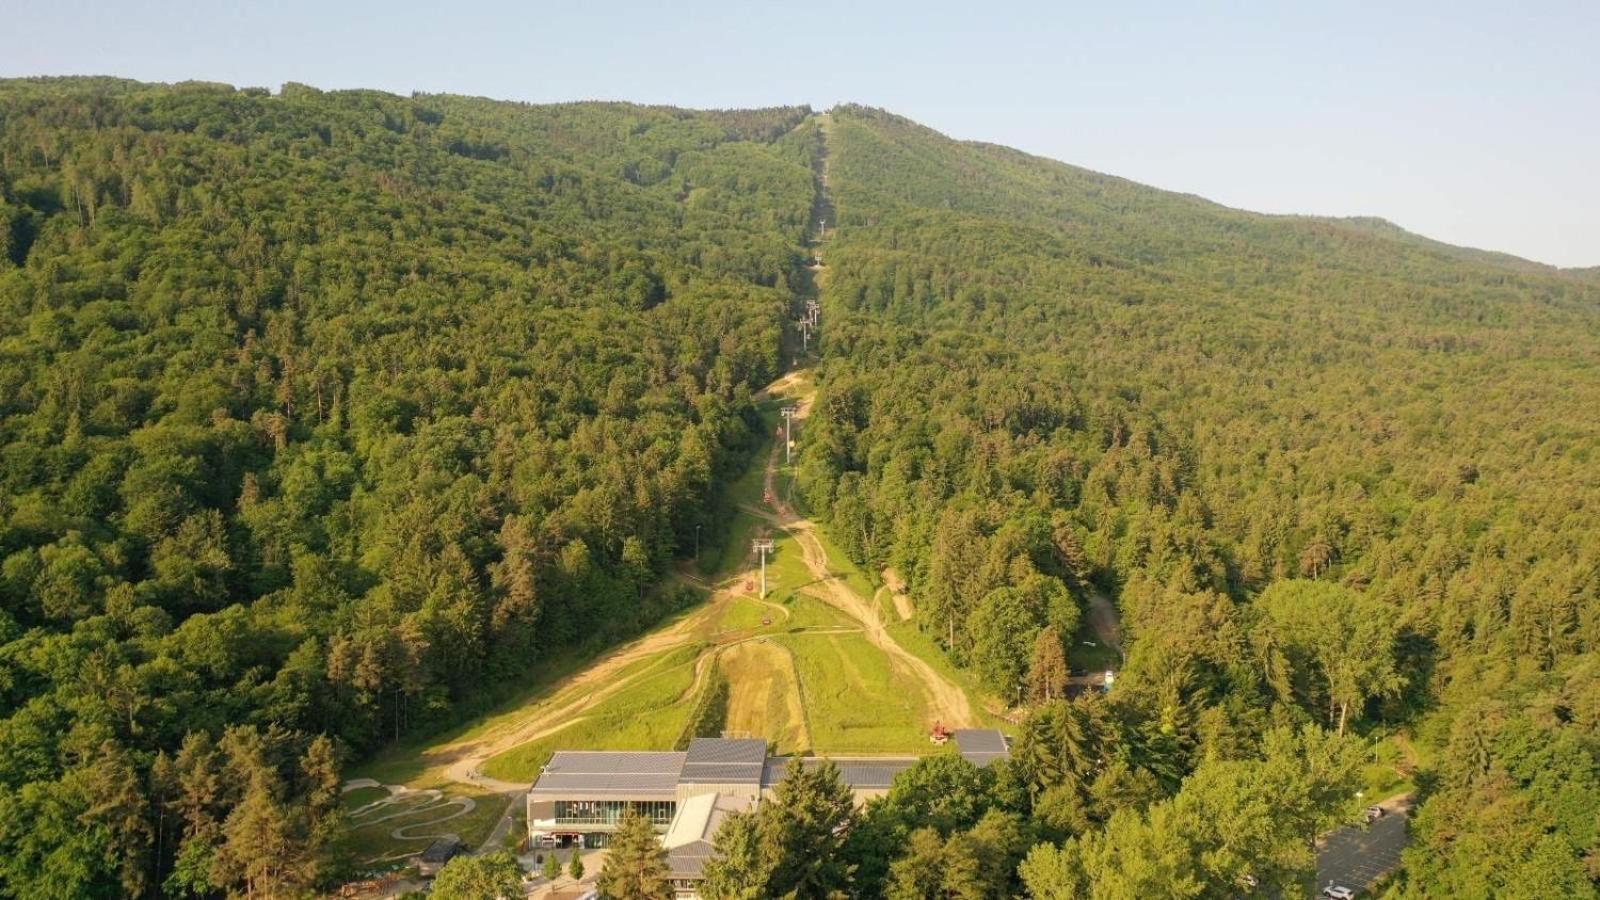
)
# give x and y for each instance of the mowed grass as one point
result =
(764, 695)
(744, 613)
(856, 700)
(354, 800)
(647, 714)
(786, 566)
(809, 612)
(419, 762)
(782, 612)
(371, 840)
(1380, 781)
(741, 530)
(905, 633)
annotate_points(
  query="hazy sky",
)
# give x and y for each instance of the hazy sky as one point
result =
(1475, 123)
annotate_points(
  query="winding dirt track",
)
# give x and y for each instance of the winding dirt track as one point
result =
(947, 702)
(565, 705)
(567, 702)
(461, 761)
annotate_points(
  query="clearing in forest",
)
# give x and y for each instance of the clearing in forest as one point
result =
(811, 666)
(814, 665)
(764, 695)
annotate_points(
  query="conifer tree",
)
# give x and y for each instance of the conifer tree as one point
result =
(636, 866)
(1047, 673)
(575, 863)
(804, 827)
(742, 864)
(492, 876)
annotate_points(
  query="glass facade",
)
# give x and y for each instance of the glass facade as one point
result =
(608, 812)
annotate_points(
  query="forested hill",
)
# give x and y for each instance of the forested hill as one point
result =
(320, 412)
(1331, 472)
(324, 413)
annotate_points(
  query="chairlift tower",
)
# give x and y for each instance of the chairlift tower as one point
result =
(762, 546)
(788, 420)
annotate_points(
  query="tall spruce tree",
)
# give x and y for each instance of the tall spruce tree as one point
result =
(743, 862)
(1047, 673)
(805, 825)
(636, 866)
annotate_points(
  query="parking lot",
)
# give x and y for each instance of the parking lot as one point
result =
(1357, 856)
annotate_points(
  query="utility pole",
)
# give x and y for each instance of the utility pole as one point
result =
(788, 420)
(805, 335)
(763, 546)
(697, 540)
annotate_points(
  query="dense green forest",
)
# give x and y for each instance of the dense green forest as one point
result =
(323, 414)
(1333, 474)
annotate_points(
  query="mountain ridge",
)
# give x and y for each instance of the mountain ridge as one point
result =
(1365, 223)
(328, 419)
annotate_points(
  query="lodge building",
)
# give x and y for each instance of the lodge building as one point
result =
(581, 794)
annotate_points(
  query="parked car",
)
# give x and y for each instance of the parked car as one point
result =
(1374, 813)
(1337, 892)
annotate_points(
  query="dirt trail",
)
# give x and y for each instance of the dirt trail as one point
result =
(947, 702)
(461, 760)
(564, 705)
(1103, 619)
(781, 386)
(896, 586)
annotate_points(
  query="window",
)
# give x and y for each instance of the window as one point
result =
(608, 812)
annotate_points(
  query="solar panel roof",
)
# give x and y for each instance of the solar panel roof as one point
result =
(572, 773)
(982, 746)
(567, 761)
(980, 740)
(859, 773)
(724, 761)
(726, 750)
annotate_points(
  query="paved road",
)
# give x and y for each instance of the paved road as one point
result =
(1355, 856)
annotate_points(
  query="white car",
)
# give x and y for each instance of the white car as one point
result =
(1337, 892)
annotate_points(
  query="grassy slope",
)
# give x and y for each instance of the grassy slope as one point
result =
(647, 715)
(836, 675)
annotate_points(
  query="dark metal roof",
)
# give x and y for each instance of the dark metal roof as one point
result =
(568, 761)
(724, 761)
(593, 784)
(578, 773)
(586, 773)
(726, 750)
(866, 774)
(442, 851)
(689, 860)
(859, 773)
(982, 746)
(980, 740)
